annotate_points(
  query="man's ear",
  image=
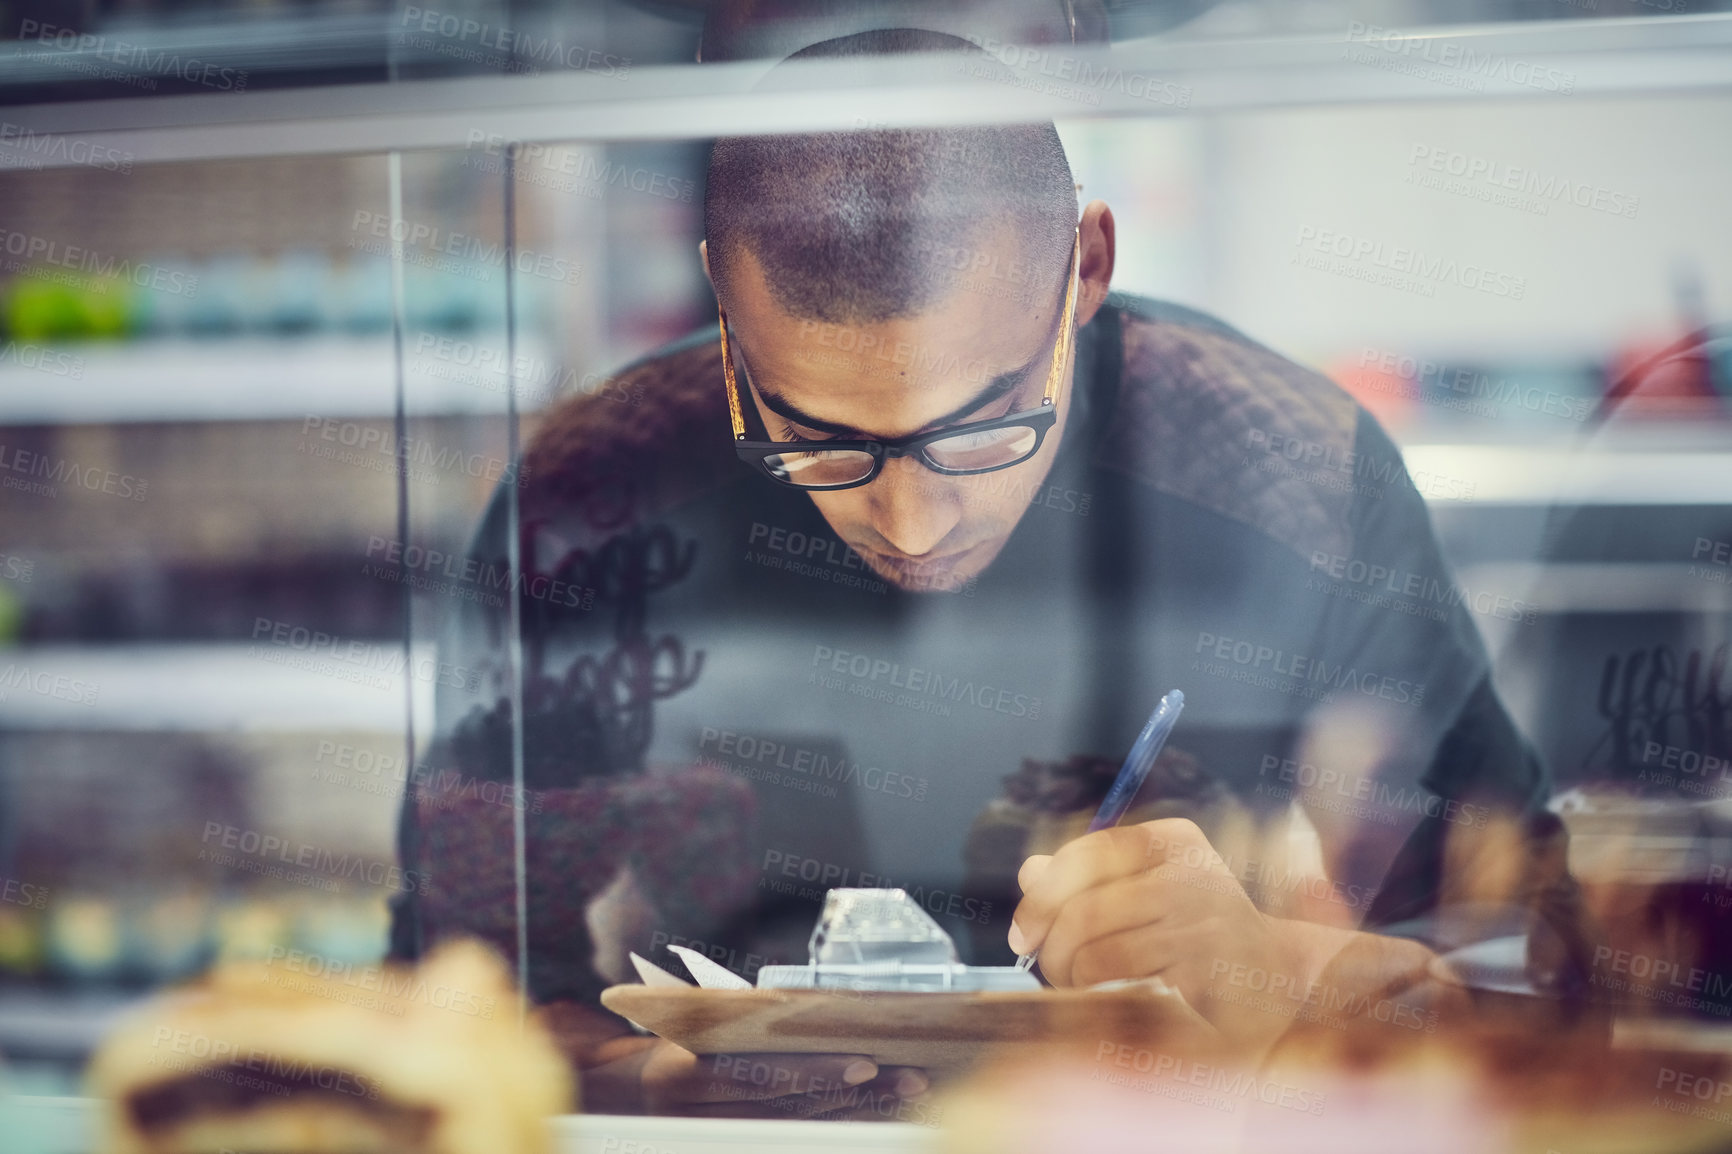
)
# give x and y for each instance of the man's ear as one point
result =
(1095, 261)
(704, 255)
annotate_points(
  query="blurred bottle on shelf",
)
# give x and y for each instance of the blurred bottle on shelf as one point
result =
(85, 937)
(45, 305)
(295, 296)
(161, 308)
(11, 616)
(294, 293)
(171, 934)
(350, 932)
(250, 928)
(22, 941)
(1420, 394)
(228, 296)
(361, 294)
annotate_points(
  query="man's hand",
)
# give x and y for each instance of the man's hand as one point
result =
(1156, 900)
(630, 1074)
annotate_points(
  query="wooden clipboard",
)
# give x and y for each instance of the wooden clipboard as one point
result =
(938, 1031)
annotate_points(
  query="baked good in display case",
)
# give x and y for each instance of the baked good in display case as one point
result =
(296, 1053)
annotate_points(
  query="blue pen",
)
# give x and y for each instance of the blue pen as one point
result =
(1132, 774)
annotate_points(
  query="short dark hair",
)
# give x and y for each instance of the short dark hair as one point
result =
(858, 227)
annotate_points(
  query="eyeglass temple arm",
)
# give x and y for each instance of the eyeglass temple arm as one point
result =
(1062, 348)
(734, 414)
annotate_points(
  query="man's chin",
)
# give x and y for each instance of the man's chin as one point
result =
(947, 576)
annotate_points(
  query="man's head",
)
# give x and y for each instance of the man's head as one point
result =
(886, 282)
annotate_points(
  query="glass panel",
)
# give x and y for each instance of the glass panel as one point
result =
(584, 299)
(202, 734)
(376, 570)
(780, 693)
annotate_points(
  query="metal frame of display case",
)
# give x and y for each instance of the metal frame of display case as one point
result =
(1609, 57)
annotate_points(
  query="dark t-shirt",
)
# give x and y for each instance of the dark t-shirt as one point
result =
(726, 712)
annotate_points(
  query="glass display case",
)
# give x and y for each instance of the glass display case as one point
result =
(370, 576)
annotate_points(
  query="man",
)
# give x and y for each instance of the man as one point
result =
(930, 504)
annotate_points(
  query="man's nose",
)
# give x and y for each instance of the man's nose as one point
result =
(912, 507)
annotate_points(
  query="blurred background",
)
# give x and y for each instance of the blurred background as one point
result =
(218, 599)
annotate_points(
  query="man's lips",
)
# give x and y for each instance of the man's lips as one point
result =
(915, 566)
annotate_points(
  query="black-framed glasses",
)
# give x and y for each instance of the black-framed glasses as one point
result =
(958, 451)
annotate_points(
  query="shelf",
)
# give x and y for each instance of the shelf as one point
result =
(258, 378)
(41, 1023)
(203, 688)
(1598, 587)
(1564, 476)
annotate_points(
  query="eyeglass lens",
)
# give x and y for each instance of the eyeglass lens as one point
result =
(820, 469)
(990, 449)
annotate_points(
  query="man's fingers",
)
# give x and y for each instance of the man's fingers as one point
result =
(886, 1097)
(1122, 904)
(1141, 952)
(881, 1097)
(1091, 860)
(1032, 869)
(681, 1076)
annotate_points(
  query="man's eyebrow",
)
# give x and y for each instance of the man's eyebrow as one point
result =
(997, 387)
